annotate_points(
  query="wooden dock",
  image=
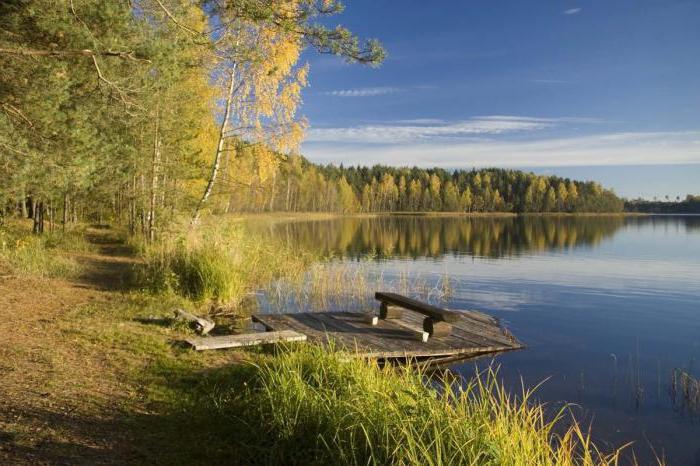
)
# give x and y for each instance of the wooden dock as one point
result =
(472, 334)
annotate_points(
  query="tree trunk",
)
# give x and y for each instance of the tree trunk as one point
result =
(51, 216)
(23, 204)
(219, 150)
(38, 227)
(132, 207)
(154, 181)
(289, 187)
(31, 203)
(65, 210)
(272, 194)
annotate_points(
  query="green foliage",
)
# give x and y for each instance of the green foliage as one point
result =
(108, 109)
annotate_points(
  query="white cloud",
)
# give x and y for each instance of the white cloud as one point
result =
(550, 81)
(573, 11)
(363, 92)
(421, 121)
(421, 130)
(630, 148)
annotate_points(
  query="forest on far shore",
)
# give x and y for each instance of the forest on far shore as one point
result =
(689, 205)
(300, 185)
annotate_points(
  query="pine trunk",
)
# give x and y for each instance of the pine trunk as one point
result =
(38, 210)
(65, 210)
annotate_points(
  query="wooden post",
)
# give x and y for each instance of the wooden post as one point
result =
(387, 311)
(372, 320)
(436, 328)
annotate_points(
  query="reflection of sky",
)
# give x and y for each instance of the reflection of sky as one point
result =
(638, 260)
(490, 280)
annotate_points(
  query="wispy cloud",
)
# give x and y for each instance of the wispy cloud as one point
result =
(363, 92)
(622, 148)
(424, 130)
(550, 81)
(573, 11)
(421, 121)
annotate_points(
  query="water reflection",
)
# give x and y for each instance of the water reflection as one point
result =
(411, 236)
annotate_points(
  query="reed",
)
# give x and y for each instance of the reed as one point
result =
(333, 285)
(311, 406)
(685, 392)
(221, 263)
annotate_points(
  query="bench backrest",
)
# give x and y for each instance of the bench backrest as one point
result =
(411, 304)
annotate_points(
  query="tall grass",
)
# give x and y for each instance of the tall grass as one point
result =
(222, 263)
(310, 406)
(332, 285)
(49, 255)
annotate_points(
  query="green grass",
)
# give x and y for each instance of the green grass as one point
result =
(49, 255)
(311, 406)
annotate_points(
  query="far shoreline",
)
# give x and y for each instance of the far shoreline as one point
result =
(320, 216)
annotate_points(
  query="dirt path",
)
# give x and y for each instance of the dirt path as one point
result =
(59, 400)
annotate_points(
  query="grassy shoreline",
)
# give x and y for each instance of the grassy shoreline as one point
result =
(113, 356)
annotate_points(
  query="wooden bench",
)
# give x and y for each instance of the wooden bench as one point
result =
(437, 320)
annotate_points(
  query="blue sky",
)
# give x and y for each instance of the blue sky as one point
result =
(593, 89)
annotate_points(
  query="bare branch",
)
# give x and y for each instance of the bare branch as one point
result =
(177, 23)
(14, 111)
(12, 149)
(126, 55)
(123, 98)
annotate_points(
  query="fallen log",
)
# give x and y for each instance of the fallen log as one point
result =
(199, 324)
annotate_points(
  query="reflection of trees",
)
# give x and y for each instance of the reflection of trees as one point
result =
(399, 236)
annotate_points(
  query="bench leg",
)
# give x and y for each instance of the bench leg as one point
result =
(436, 328)
(389, 312)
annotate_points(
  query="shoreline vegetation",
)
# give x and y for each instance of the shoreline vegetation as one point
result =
(295, 405)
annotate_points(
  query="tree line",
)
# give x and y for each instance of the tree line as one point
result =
(299, 185)
(689, 205)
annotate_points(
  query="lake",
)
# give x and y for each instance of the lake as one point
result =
(609, 307)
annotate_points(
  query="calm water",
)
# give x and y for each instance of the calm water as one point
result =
(608, 306)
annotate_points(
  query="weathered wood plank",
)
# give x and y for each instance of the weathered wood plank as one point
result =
(394, 338)
(247, 339)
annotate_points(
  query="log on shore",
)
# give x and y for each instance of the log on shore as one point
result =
(199, 324)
